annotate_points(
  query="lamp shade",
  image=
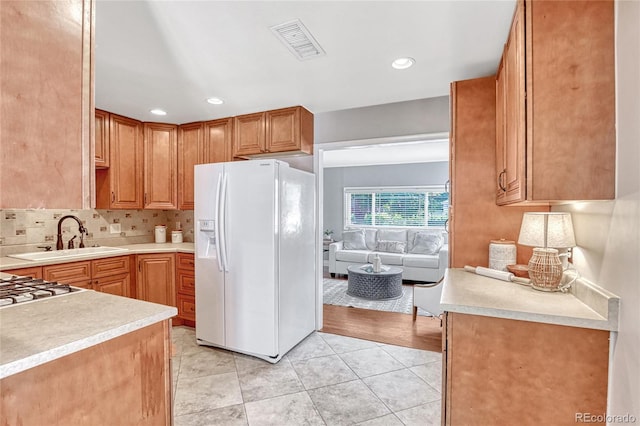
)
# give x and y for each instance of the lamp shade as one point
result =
(553, 230)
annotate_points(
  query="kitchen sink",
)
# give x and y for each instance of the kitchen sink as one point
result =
(68, 254)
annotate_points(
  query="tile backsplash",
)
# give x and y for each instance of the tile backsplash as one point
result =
(24, 230)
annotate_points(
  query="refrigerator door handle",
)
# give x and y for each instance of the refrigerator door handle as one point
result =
(223, 223)
(217, 227)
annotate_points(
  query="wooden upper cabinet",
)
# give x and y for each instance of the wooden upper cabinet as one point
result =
(501, 165)
(285, 130)
(290, 129)
(190, 152)
(218, 137)
(101, 152)
(46, 84)
(249, 134)
(160, 166)
(561, 97)
(511, 137)
(120, 186)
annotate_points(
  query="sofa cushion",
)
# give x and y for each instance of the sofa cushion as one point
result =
(354, 240)
(388, 258)
(421, 260)
(411, 236)
(370, 238)
(392, 235)
(391, 246)
(427, 243)
(359, 256)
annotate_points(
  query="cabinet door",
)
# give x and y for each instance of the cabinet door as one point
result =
(190, 152)
(501, 189)
(160, 166)
(125, 171)
(289, 129)
(283, 130)
(46, 84)
(33, 272)
(102, 139)
(218, 137)
(514, 112)
(75, 273)
(117, 285)
(249, 134)
(156, 278)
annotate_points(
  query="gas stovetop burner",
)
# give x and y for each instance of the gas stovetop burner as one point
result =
(26, 289)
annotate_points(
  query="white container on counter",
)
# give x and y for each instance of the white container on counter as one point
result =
(176, 237)
(161, 233)
(501, 254)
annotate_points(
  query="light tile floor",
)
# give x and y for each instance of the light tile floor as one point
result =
(326, 380)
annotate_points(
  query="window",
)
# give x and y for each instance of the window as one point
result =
(397, 207)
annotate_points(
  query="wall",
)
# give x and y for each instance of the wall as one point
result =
(608, 233)
(335, 179)
(24, 230)
(388, 120)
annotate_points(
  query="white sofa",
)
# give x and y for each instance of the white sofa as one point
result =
(415, 266)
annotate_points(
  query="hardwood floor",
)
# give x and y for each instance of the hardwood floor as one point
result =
(386, 327)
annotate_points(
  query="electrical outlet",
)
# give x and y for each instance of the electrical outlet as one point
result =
(114, 228)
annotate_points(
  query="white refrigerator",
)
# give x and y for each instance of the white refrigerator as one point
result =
(255, 256)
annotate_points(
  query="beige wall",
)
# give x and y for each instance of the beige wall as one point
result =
(608, 233)
(23, 230)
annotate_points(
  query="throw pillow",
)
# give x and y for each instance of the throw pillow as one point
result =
(391, 246)
(353, 240)
(426, 243)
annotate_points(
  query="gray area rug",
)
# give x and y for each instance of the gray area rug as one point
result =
(335, 293)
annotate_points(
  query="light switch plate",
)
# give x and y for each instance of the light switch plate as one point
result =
(114, 228)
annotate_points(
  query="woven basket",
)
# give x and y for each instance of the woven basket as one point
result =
(545, 269)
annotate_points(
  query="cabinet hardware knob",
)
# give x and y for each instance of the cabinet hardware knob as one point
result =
(113, 197)
(500, 184)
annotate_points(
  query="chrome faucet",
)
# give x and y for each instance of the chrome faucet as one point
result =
(81, 228)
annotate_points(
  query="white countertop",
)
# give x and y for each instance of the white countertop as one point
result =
(13, 263)
(468, 293)
(44, 330)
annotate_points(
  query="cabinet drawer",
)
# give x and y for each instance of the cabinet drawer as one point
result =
(185, 261)
(110, 266)
(34, 272)
(68, 273)
(186, 284)
(187, 307)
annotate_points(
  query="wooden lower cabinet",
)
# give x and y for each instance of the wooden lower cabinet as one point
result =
(155, 280)
(186, 288)
(123, 381)
(505, 372)
(33, 272)
(77, 274)
(108, 275)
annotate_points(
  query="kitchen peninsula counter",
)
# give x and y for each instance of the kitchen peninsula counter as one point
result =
(37, 332)
(586, 305)
(502, 339)
(7, 263)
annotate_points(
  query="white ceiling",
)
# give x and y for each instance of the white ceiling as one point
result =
(175, 54)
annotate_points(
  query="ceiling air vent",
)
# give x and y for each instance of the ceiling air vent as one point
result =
(298, 40)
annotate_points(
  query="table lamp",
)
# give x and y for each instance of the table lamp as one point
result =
(547, 232)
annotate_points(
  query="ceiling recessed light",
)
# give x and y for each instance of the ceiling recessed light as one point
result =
(157, 111)
(215, 101)
(403, 63)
